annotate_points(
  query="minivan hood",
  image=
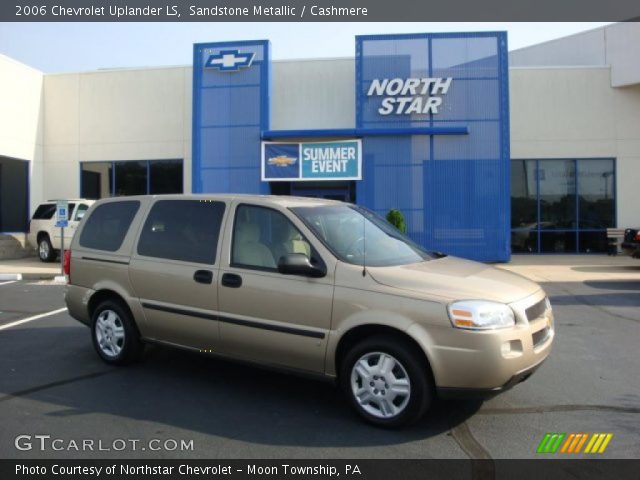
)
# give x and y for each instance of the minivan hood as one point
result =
(456, 279)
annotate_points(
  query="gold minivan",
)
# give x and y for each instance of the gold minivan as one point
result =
(311, 285)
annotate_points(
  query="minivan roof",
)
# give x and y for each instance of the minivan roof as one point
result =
(282, 200)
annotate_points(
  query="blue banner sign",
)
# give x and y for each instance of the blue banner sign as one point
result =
(340, 160)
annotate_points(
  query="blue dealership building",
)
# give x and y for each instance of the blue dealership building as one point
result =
(431, 133)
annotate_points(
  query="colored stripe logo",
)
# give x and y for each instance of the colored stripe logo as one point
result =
(555, 442)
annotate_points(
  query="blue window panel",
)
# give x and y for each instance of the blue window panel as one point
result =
(385, 65)
(211, 78)
(381, 66)
(465, 56)
(398, 187)
(482, 142)
(392, 172)
(396, 150)
(481, 208)
(463, 102)
(412, 51)
(230, 106)
(230, 147)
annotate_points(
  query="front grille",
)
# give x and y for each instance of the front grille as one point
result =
(536, 310)
(540, 336)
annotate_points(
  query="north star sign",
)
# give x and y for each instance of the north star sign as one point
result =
(407, 96)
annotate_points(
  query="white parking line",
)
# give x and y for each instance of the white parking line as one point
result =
(30, 319)
(7, 283)
(10, 276)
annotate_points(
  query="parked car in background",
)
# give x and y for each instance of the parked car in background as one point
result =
(312, 285)
(631, 242)
(44, 236)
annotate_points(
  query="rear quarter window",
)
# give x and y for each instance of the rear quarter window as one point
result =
(107, 226)
(185, 230)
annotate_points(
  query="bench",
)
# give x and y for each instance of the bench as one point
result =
(614, 239)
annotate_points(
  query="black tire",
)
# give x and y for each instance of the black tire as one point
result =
(416, 367)
(130, 346)
(46, 253)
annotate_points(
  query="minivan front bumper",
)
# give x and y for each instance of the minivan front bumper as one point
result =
(486, 393)
(483, 363)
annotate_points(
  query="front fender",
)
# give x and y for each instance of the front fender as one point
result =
(353, 309)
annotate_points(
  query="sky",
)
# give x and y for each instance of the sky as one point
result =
(69, 47)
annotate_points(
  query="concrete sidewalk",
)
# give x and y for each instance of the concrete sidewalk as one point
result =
(31, 268)
(574, 268)
(540, 268)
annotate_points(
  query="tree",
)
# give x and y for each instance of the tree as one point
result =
(395, 218)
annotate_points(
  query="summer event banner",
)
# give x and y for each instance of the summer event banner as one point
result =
(312, 161)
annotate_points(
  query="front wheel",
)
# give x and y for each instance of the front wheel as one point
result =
(114, 334)
(387, 381)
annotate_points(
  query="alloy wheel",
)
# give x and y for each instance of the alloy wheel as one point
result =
(109, 333)
(380, 384)
(43, 249)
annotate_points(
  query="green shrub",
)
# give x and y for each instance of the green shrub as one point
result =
(395, 218)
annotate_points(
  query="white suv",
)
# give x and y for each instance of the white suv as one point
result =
(43, 233)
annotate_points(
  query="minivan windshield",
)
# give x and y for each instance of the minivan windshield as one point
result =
(353, 233)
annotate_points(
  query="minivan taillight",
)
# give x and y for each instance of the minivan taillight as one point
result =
(66, 263)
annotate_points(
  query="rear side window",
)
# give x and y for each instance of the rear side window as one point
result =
(45, 211)
(185, 230)
(81, 211)
(107, 226)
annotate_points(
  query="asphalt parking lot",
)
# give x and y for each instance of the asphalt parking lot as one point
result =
(52, 383)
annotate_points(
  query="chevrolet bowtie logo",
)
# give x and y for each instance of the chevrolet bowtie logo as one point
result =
(229, 60)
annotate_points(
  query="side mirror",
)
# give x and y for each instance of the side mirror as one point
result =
(299, 264)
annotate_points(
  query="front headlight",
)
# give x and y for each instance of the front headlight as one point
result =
(481, 315)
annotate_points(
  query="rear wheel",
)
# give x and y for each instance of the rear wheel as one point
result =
(115, 336)
(46, 253)
(386, 381)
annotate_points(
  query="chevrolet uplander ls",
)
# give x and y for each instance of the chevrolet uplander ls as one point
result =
(306, 284)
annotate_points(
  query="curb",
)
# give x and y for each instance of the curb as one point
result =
(39, 276)
(27, 276)
(10, 277)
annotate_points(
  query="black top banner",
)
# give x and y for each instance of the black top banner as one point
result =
(316, 10)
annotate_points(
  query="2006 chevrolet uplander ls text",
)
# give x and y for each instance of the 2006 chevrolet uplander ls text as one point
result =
(306, 284)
